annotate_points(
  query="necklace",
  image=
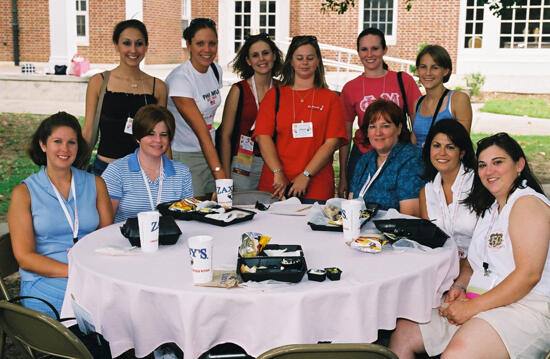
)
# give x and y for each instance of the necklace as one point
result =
(300, 98)
(301, 101)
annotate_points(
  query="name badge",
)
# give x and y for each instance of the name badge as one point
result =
(246, 143)
(302, 129)
(128, 126)
(245, 155)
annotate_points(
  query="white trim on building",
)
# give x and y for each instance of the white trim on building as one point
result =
(490, 58)
(62, 33)
(379, 12)
(227, 27)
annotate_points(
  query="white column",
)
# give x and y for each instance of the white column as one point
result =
(226, 31)
(62, 32)
(134, 9)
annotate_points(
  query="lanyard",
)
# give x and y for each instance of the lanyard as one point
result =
(146, 181)
(452, 219)
(486, 240)
(370, 180)
(294, 106)
(74, 227)
(255, 93)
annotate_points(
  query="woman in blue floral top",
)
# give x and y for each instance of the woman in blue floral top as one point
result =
(391, 174)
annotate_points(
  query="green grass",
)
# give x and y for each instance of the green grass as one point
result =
(532, 107)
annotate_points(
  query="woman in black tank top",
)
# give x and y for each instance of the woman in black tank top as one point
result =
(128, 89)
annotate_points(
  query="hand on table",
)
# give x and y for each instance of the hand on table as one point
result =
(279, 185)
(299, 186)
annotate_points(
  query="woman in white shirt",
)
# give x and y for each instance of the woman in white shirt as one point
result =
(193, 97)
(505, 311)
(449, 162)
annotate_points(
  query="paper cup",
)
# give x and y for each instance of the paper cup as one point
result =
(148, 230)
(351, 218)
(200, 251)
(224, 190)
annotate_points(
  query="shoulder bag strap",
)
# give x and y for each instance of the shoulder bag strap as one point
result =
(420, 99)
(436, 112)
(236, 124)
(215, 70)
(277, 100)
(19, 298)
(403, 94)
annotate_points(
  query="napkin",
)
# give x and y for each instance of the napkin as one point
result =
(118, 251)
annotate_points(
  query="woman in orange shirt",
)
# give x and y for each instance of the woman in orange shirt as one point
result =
(307, 125)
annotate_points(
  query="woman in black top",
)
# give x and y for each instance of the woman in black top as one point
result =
(128, 89)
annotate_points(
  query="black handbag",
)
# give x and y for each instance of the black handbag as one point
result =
(169, 232)
(416, 229)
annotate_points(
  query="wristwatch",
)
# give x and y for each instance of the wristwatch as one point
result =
(217, 169)
(307, 174)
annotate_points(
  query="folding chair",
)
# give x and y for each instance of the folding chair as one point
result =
(329, 351)
(8, 266)
(40, 332)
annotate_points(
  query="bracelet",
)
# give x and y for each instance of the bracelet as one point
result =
(459, 286)
(277, 170)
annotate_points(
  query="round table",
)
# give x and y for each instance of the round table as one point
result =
(147, 299)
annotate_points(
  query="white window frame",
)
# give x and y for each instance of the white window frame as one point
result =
(513, 22)
(83, 40)
(185, 15)
(390, 39)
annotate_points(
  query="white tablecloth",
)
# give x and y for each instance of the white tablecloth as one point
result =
(145, 300)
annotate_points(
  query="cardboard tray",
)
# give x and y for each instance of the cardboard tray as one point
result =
(292, 275)
(184, 216)
(201, 217)
(371, 208)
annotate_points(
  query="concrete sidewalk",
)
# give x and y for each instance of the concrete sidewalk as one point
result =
(483, 122)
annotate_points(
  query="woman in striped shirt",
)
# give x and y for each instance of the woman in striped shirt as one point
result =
(145, 178)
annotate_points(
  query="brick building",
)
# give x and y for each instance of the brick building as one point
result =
(517, 44)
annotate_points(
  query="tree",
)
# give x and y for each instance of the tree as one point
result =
(498, 7)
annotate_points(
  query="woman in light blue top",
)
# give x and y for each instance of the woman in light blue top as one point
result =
(434, 68)
(52, 209)
(145, 178)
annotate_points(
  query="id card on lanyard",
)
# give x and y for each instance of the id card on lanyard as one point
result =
(302, 129)
(245, 156)
(74, 225)
(245, 152)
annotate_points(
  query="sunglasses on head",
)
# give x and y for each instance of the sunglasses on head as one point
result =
(493, 138)
(202, 20)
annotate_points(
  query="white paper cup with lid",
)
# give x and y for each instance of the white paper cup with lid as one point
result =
(224, 191)
(148, 223)
(351, 218)
(200, 252)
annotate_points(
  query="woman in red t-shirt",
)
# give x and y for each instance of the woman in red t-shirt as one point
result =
(308, 127)
(376, 81)
(257, 62)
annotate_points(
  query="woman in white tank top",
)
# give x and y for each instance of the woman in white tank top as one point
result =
(505, 312)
